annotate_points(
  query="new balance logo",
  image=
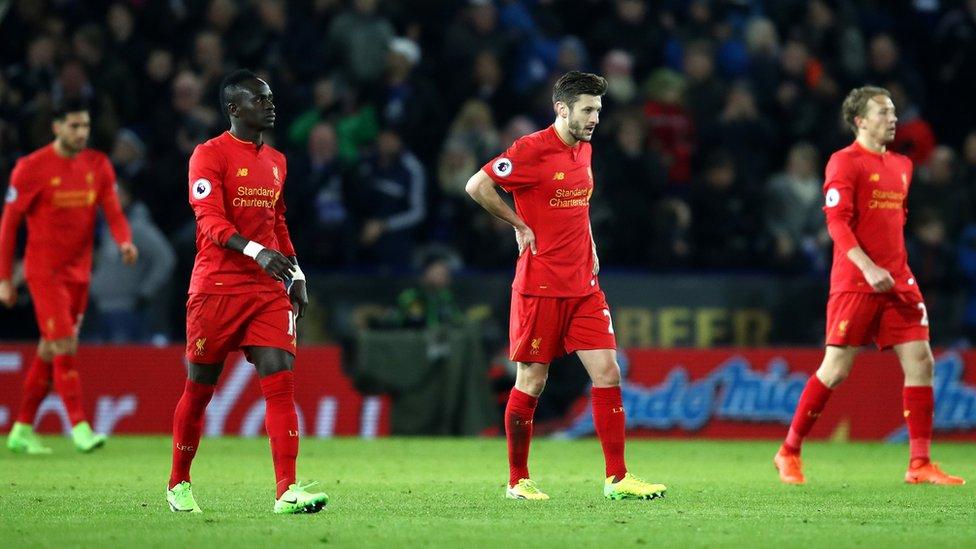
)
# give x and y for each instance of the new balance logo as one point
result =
(241, 172)
(292, 433)
(558, 176)
(619, 410)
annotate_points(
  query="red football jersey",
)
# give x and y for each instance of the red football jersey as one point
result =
(58, 196)
(551, 183)
(866, 197)
(236, 187)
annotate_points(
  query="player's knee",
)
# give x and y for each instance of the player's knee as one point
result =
(59, 347)
(269, 361)
(920, 370)
(205, 374)
(44, 351)
(531, 379)
(832, 375)
(608, 376)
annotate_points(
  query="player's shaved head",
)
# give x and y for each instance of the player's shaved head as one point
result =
(233, 87)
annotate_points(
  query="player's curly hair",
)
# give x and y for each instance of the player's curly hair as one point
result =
(574, 84)
(856, 103)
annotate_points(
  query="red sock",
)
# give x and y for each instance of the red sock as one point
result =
(919, 408)
(610, 422)
(811, 404)
(187, 426)
(518, 432)
(68, 385)
(281, 422)
(37, 383)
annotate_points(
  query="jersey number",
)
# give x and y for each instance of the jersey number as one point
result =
(606, 312)
(925, 314)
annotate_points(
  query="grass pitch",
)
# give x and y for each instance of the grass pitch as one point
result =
(449, 492)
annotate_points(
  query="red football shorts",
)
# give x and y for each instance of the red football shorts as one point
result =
(543, 328)
(58, 305)
(218, 324)
(889, 318)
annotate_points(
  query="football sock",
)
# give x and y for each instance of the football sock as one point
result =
(68, 385)
(37, 383)
(518, 433)
(281, 422)
(187, 427)
(811, 404)
(610, 422)
(919, 408)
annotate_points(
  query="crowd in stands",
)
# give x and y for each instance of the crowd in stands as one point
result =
(718, 120)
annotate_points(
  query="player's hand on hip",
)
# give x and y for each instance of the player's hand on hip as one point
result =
(299, 297)
(129, 253)
(525, 239)
(274, 263)
(8, 293)
(879, 279)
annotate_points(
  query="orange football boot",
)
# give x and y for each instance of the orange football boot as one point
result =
(790, 467)
(929, 473)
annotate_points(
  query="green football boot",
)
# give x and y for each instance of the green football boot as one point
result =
(180, 498)
(85, 439)
(23, 440)
(297, 499)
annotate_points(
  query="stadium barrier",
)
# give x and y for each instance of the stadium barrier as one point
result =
(134, 390)
(679, 393)
(751, 394)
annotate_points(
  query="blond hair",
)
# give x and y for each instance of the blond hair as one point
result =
(856, 103)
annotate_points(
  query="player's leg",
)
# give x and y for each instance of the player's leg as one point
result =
(834, 369)
(201, 381)
(919, 407)
(211, 322)
(609, 419)
(37, 384)
(275, 368)
(67, 379)
(269, 343)
(530, 380)
(608, 407)
(535, 329)
(852, 321)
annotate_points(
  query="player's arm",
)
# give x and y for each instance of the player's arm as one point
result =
(482, 189)
(297, 292)
(20, 195)
(118, 225)
(206, 199)
(839, 209)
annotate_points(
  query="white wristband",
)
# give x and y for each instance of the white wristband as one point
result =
(297, 274)
(252, 249)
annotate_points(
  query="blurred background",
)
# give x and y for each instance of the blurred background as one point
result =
(709, 158)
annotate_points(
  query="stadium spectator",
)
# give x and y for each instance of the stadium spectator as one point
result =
(320, 201)
(793, 216)
(391, 186)
(357, 42)
(632, 179)
(938, 189)
(725, 240)
(124, 295)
